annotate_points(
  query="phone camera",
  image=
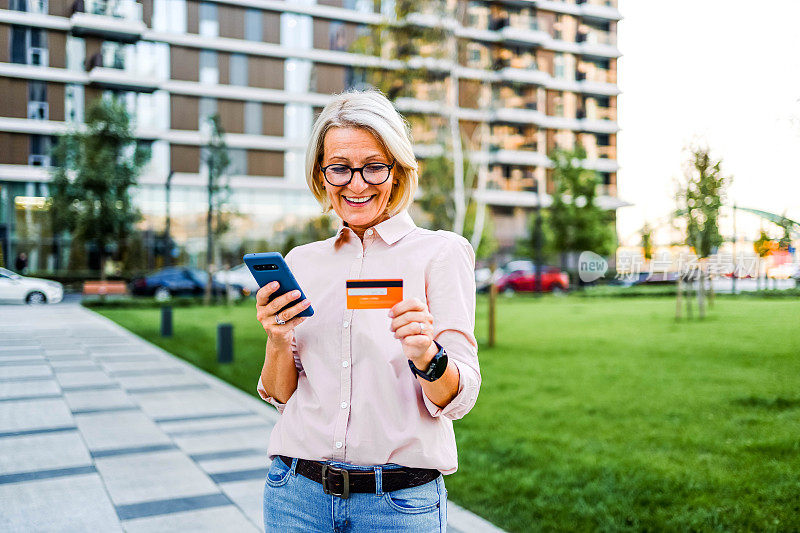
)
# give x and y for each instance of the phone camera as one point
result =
(265, 267)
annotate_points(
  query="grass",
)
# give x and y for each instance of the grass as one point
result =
(602, 414)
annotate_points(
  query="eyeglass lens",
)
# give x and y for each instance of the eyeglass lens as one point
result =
(375, 173)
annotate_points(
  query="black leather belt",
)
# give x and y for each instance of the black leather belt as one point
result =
(342, 482)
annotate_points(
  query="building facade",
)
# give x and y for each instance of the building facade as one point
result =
(532, 75)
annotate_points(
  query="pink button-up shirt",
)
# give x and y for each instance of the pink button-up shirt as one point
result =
(356, 399)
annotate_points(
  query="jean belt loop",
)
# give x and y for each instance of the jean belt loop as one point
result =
(378, 480)
(294, 466)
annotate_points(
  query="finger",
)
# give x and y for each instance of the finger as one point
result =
(263, 294)
(293, 310)
(413, 329)
(409, 304)
(282, 301)
(410, 316)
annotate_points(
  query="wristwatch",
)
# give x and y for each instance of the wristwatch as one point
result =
(435, 369)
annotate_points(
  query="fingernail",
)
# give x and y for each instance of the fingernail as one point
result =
(273, 284)
(390, 313)
(295, 293)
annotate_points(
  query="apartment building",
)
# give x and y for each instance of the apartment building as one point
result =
(532, 75)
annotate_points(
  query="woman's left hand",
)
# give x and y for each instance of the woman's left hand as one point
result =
(408, 315)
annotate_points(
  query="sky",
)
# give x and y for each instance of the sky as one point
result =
(722, 72)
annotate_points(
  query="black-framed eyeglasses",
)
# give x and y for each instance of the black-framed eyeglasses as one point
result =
(373, 173)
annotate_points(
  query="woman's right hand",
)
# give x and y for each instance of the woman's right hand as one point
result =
(266, 311)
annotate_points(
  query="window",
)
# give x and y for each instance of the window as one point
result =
(336, 36)
(603, 139)
(253, 25)
(208, 67)
(40, 151)
(209, 25)
(238, 165)
(252, 118)
(208, 107)
(37, 100)
(238, 69)
(559, 66)
(31, 6)
(28, 46)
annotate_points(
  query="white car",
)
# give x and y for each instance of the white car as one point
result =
(238, 275)
(19, 289)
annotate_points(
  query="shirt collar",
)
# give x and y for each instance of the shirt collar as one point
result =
(392, 229)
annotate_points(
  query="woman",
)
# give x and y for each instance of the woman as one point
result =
(367, 397)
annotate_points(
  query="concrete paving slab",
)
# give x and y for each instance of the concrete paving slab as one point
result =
(184, 403)
(74, 379)
(24, 415)
(43, 451)
(214, 520)
(256, 437)
(153, 476)
(103, 431)
(98, 399)
(137, 382)
(253, 461)
(66, 504)
(19, 388)
(25, 371)
(249, 497)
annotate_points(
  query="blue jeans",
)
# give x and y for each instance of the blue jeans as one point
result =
(292, 502)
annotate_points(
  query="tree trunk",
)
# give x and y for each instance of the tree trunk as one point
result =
(209, 243)
(492, 303)
(710, 290)
(701, 292)
(679, 298)
(689, 297)
(458, 154)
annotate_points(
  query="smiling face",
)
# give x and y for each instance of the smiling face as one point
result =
(356, 147)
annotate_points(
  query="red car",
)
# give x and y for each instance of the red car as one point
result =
(521, 277)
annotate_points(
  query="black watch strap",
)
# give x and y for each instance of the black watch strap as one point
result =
(435, 369)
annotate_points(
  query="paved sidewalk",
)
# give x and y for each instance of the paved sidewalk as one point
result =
(102, 431)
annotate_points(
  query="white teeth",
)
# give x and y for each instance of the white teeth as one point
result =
(359, 200)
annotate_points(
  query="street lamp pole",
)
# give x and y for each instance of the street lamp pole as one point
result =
(167, 239)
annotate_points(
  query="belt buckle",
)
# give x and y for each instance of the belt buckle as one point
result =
(326, 469)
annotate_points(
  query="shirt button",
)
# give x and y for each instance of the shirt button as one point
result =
(369, 232)
(344, 405)
(346, 323)
(345, 364)
(338, 444)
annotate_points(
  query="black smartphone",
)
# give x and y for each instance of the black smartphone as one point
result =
(267, 267)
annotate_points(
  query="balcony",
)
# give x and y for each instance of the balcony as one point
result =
(600, 9)
(118, 20)
(523, 36)
(597, 43)
(109, 70)
(609, 189)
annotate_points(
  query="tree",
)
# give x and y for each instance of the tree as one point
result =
(313, 229)
(575, 222)
(420, 28)
(647, 241)
(701, 195)
(95, 169)
(217, 161)
(438, 202)
(764, 247)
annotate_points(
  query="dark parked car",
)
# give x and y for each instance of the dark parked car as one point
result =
(179, 282)
(520, 276)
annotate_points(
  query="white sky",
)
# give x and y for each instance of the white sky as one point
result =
(724, 71)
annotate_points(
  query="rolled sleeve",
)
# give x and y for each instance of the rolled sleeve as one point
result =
(450, 290)
(269, 399)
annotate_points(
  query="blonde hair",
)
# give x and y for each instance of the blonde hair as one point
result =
(370, 110)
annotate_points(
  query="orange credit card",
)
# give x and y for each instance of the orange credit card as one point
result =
(374, 293)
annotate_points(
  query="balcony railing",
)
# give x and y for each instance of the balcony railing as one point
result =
(110, 70)
(119, 20)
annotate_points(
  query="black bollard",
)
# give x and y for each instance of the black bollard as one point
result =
(225, 343)
(166, 321)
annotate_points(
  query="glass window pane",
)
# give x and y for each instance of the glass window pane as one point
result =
(238, 69)
(252, 118)
(253, 25)
(19, 46)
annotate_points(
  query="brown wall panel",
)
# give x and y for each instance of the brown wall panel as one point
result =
(224, 67)
(272, 27)
(59, 8)
(185, 63)
(55, 101)
(272, 119)
(265, 72)
(192, 16)
(14, 148)
(184, 112)
(469, 93)
(5, 43)
(14, 103)
(57, 49)
(264, 163)
(184, 158)
(93, 46)
(231, 113)
(147, 12)
(329, 78)
(321, 32)
(231, 21)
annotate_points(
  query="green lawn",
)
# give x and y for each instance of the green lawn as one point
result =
(602, 414)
